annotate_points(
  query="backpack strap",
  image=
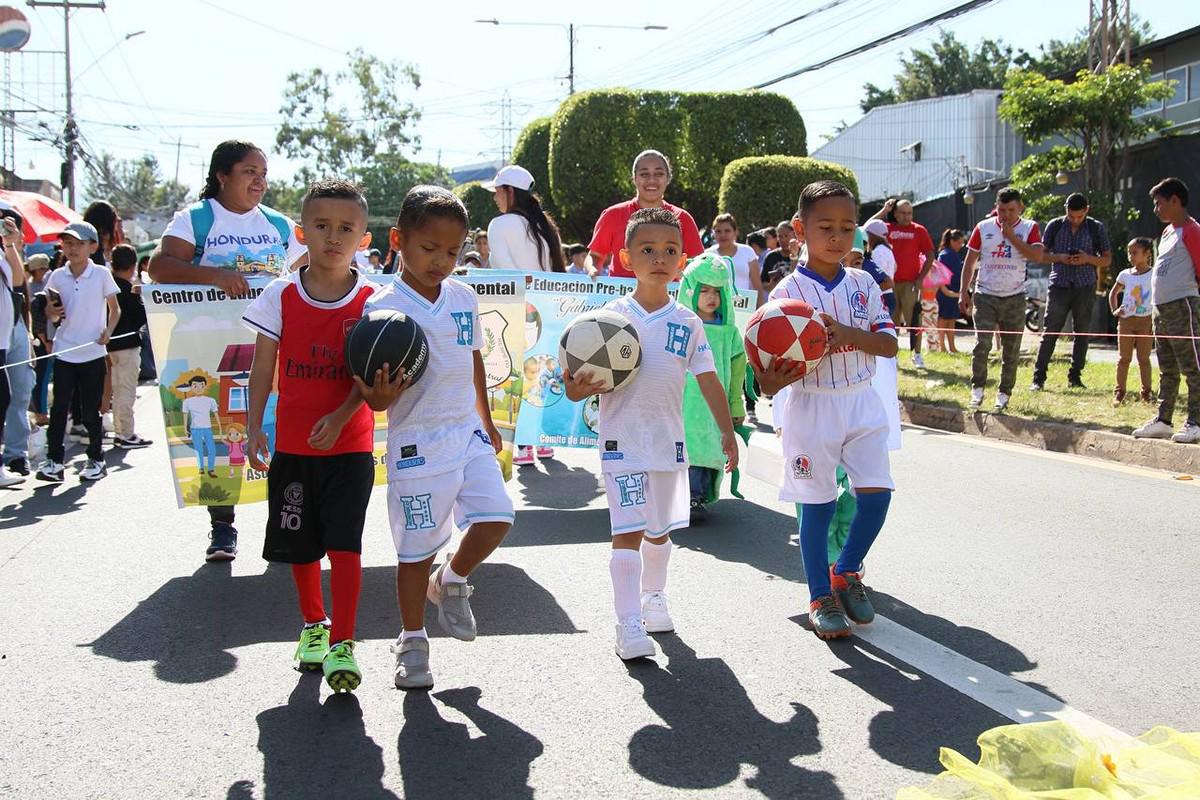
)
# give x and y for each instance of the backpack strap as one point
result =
(202, 222)
(280, 222)
(1052, 229)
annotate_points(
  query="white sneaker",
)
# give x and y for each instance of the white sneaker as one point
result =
(1188, 434)
(632, 641)
(654, 613)
(918, 361)
(1154, 429)
(412, 663)
(9, 478)
(50, 471)
(1001, 402)
(976, 396)
(93, 471)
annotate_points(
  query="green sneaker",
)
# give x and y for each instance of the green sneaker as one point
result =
(341, 670)
(314, 644)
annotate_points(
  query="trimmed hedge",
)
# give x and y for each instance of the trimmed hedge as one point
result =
(762, 190)
(595, 135)
(532, 151)
(481, 207)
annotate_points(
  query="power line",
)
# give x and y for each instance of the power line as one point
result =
(916, 26)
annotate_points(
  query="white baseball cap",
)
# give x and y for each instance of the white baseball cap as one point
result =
(877, 227)
(512, 175)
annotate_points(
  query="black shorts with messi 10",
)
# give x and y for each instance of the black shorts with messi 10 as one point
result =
(316, 504)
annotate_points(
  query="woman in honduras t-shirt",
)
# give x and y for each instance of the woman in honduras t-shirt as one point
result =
(228, 229)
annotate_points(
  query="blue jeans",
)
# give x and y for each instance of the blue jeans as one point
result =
(20, 380)
(203, 442)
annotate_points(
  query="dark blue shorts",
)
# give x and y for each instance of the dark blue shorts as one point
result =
(947, 307)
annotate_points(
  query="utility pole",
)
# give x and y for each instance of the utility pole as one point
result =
(571, 48)
(179, 145)
(70, 129)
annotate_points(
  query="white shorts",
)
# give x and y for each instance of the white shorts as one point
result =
(655, 502)
(824, 429)
(419, 509)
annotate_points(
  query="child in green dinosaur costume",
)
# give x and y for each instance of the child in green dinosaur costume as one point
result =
(707, 289)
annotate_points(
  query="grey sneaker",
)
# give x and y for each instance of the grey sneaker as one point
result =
(828, 620)
(1154, 429)
(453, 605)
(1188, 434)
(50, 471)
(918, 361)
(1001, 402)
(93, 471)
(412, 663)
(852, 596)
(976, 396)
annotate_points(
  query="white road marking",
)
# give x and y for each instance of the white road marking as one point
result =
(984, 685)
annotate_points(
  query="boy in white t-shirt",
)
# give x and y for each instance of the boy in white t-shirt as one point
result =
(199, 410)
(1134, 328)
(831, 416)
(441, 452)
(641, 434)
(83, 301)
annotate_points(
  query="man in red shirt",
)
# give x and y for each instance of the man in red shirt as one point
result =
(651, 176)
(909, 241)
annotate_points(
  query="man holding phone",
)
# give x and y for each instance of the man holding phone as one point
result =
(1078, 250)
(12, 277)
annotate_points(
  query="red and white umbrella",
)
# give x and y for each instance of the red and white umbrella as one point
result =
(44, 217)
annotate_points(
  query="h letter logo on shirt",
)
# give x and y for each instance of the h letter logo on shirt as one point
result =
(678, 337)
(418, 512)
(633, 489)
(465, 321)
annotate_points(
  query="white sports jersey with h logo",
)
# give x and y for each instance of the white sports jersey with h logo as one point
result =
(641, 424)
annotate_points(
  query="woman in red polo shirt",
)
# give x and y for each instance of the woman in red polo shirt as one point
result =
(651, 176)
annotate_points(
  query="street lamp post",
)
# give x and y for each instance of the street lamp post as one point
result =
(570, 29)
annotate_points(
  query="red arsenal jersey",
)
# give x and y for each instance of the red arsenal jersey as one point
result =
(312, 374)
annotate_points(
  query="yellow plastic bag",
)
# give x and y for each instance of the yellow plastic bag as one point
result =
(1054, 761)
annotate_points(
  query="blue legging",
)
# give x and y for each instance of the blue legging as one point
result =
(203, 442)
(814, 538)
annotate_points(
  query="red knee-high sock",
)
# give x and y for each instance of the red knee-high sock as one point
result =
(308, 585)
(346, 582)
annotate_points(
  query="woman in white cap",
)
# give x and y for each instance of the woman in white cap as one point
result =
(523, 237)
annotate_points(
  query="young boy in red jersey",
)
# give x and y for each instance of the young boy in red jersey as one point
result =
(320, 477)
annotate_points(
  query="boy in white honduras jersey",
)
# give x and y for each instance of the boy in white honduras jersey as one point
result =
(640, 431)
(442, 443)
(832, 416)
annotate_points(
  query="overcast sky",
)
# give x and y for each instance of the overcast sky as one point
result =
(208, 71)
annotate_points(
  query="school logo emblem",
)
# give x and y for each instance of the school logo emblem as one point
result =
(418, 512)
(348, 324)
(801, 467)
(678, 337)
(858, 305)
(464, 321)
(293, 495)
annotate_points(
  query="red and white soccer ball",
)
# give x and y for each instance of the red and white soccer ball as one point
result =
(786, 328)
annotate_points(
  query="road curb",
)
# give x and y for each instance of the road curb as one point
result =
(1056, 437)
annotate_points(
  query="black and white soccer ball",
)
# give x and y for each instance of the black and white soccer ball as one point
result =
(603, 346)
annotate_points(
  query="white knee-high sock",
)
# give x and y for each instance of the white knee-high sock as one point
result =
(625, 567)
(655, 558)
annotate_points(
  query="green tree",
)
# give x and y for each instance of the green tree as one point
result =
(133, 186)
(532, 151)
(331, 138)
(1095, 115)
(1058, 57)
(481, 207)
(947, 67)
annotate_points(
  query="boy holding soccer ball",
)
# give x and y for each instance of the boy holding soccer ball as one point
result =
(831, 416)
(641, 437)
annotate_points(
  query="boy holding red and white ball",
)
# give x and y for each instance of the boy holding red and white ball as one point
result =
(830, 415)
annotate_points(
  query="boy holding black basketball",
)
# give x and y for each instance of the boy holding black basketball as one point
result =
(641, 435)
(320, 477)
(831, 416)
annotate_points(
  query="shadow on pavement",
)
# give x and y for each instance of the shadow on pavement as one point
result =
(559, 486)
(314, 749)
(495, 764)
(537, 527)
(43, 502)
(712, 729)
(743, 532)
(191, 623)
(925, 714)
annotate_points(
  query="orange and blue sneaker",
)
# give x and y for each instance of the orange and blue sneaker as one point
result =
(828, 621)
(851, 593)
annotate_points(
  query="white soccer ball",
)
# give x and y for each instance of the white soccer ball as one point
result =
(602, 346)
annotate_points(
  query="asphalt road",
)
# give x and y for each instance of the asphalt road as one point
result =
(134, 670)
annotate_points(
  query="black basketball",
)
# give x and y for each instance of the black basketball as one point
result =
(391, 337)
